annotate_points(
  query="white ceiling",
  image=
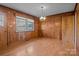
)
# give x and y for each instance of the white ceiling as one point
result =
(35, 8)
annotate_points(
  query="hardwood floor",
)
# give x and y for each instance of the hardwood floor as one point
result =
(38, 47)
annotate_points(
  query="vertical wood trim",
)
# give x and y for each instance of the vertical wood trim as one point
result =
(75, 30)
(61, 29)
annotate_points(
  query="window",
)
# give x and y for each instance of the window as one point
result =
(24, 24)
(1, 20)
(30, 25)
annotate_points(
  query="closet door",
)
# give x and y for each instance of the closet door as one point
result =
(3, 31)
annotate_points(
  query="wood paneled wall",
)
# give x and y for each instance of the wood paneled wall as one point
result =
(77, 28)
(51, 27)
(10, 35)
(68, 31)
(60, 27)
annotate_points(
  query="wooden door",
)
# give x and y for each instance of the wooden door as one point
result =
(3, 31)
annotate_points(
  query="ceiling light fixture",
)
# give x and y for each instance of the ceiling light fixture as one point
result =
(42, 18)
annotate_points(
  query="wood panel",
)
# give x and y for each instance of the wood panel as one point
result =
(77, 29)
(51, 27)
(58, 21)
(68, 31)
(3, 32)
